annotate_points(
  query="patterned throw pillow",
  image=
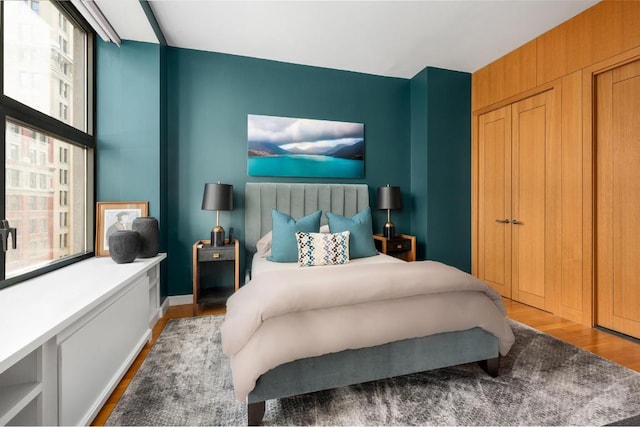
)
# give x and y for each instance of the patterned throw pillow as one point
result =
(322, 248)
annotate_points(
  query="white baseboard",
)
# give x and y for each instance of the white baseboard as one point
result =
(179, 300)
(164, 307)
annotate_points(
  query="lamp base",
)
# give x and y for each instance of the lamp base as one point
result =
(389, 230)
(217, 236)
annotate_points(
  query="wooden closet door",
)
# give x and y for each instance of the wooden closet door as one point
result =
(494, 199)
(536, 215)
(618, 199)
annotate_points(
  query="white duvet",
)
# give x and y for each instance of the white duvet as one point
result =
(281, 316)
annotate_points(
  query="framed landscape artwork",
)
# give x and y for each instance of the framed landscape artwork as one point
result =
(286, 146)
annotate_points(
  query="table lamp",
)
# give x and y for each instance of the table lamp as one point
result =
(217, 197)
(389, 198)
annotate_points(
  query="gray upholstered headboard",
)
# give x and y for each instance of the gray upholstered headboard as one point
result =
(297, 200)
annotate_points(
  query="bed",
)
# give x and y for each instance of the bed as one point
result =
(293, 330)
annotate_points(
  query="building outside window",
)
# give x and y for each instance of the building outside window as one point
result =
(14, 203)
(13, 152)
(13, 178)
(47, 51)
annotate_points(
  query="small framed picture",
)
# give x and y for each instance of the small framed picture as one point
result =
(112, 216)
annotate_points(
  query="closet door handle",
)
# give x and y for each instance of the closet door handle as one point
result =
(503, 221)
(516, 222)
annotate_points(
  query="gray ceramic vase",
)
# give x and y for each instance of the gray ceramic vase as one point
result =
(149, 236)
(124, 246)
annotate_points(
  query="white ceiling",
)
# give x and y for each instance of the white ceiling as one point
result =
(388, 38)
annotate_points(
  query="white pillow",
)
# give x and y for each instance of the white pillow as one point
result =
(263, 246)
(322, 248)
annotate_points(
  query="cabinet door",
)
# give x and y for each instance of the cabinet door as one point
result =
(618, 199)
(98, 352)
(494, 199)
(536, 216)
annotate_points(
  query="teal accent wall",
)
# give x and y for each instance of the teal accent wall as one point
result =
(418, 166)
(171, 119)
(441, 165)
(131, 126)
(128, 123)
(210, 96)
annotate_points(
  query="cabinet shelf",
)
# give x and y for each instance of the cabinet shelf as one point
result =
(214, 295)
(14, 398)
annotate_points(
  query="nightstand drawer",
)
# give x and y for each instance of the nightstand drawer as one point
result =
(398, 245)
(208, 253)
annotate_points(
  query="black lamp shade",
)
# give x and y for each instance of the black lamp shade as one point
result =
(389, 197)
(217, 197)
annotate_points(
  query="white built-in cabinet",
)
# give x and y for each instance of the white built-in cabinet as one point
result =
(69, 336)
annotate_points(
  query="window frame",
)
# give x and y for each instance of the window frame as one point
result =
(11, 109)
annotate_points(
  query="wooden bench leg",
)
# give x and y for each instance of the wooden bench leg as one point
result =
(255, 412)
(491, 366)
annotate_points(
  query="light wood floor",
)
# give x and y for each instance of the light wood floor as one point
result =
(612, 347)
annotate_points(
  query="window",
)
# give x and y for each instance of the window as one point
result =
(63, 44)
(63, 176)
(14, 203)
(63, 155)
(63, 240)
(62, 112)
(63, 89)
(13, 178)
(13, 152)
(63, 23)
(47, 78)
(29, 82)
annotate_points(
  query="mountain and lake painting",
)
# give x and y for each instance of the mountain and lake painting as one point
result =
(285, 146)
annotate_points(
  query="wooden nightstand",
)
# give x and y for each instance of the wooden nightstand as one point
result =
(212, 269)
(402, 246)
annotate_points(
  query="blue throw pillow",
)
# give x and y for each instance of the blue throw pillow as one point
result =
(359, 226)
(284, 247)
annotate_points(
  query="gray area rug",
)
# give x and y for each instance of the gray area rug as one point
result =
(186, 380)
